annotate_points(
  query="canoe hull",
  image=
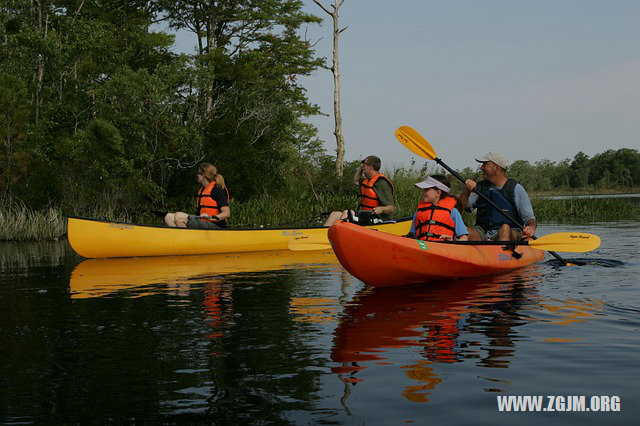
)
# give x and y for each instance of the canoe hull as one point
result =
(93, 238)
(383, 260)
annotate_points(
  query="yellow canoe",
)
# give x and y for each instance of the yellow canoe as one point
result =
(152, 275)
(93, 238)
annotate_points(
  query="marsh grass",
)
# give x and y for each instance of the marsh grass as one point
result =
(586, 210)
(19, 223)
(308, 208)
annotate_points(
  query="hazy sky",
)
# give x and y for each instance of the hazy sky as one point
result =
(534, 79)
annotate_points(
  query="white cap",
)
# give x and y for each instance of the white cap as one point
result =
(494, 157)
(433, 183)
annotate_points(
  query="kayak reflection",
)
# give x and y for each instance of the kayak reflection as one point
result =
(431, 319)
(151, 275)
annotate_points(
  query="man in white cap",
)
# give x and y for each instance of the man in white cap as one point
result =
(437, 217)
(507, 194)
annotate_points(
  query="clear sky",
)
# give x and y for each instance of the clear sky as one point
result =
(534, 79)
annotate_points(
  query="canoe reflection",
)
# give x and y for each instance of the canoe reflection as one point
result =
(150, 275)
(431, 318)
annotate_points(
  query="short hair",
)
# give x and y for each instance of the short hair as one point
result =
(443, 180)
(373, 161)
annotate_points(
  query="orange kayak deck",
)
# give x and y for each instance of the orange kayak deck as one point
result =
(383, 260)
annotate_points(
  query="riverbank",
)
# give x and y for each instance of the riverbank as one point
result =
(18, 223)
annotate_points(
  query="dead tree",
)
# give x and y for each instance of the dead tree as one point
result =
(335, 69)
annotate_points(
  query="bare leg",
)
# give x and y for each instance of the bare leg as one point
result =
(181, 219)
(345, 214)
(333, 218)
(170, 220)
(505, 233)
(473, 235)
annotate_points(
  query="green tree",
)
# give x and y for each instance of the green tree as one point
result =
(14, 115)
(579, 171)
(249, 55)
(523, 172)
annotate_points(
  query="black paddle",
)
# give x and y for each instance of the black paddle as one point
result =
(417, 144)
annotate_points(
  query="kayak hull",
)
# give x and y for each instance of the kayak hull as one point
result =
(92, 238)
(384, 260)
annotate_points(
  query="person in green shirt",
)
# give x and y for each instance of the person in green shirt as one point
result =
(376, 195)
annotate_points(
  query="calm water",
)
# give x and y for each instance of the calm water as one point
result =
(292, 338)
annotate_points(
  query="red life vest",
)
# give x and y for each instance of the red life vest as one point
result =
(368, 197)
(434, 221)
(206, 204)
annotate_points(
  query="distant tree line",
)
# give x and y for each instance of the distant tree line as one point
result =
(613, 169)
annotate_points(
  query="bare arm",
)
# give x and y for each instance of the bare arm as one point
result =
(529, 228)
(358, 175)
(225, 213)
(469, 186)
(388, 210)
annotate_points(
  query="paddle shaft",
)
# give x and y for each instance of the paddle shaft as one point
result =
(484, 197)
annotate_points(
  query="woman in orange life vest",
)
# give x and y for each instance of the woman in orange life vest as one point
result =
(212, 203)
(437, 217)
(376, 195)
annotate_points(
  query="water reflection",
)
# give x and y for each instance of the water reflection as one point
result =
(477, 321)
(442, 321)
(571, 311)
(218, 306)
(136, 277)
(313, 309)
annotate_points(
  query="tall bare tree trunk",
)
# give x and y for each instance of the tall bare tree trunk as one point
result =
(335, 69)
(211, 47)
(40, 65)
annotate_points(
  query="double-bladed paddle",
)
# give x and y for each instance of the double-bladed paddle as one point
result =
(417, 144)
(576, 242)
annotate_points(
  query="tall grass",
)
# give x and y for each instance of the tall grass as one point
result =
(311, 207)
(586, 210)
(19, 223)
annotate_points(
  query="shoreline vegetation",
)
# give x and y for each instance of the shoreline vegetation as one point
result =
(21, 223)
(101, 118)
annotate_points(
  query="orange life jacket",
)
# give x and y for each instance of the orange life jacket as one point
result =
(433, 221)
(206, 204)
(368, 197)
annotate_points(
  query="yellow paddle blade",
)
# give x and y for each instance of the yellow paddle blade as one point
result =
(415, 142)
(309, 242)
(575, 242)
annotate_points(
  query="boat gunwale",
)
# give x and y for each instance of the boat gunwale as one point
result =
(89, 219)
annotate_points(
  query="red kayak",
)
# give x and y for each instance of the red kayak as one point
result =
(384, 260)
